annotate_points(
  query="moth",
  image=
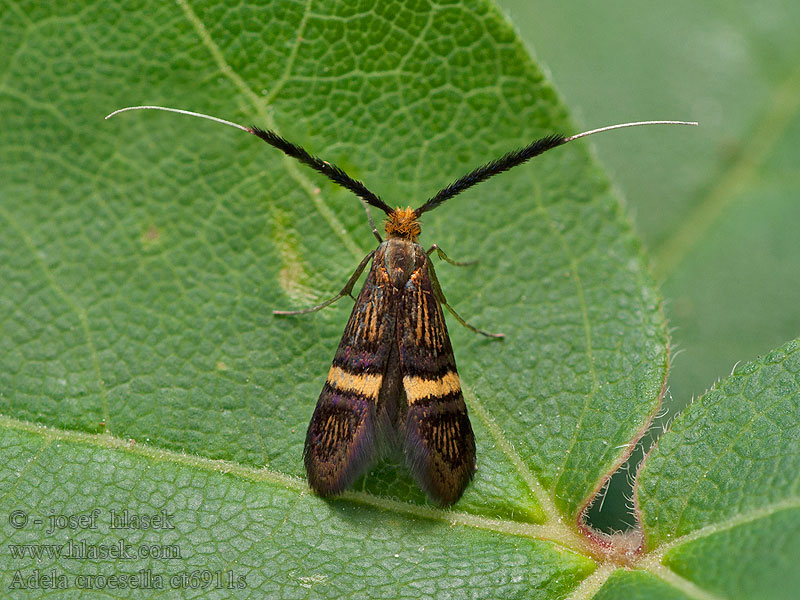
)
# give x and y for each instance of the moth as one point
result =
(393, 381)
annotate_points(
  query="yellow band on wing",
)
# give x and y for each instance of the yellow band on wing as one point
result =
(418, 388)
(366, 385)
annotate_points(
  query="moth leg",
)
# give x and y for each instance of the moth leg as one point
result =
(348, 287)
(444, 257)
(371, 222)
(437, 290)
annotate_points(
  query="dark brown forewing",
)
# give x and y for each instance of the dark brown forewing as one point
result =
(438, 442)
(342, 436)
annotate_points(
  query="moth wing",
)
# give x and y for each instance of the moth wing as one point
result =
(438, 442)
(341, 443)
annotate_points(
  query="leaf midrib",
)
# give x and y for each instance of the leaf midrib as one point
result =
(546, 532)
(556, 533)
(553, 532)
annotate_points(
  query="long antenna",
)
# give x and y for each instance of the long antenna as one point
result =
(517, 157)
(330, 170)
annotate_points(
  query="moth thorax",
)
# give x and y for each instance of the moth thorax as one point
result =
(402, 223)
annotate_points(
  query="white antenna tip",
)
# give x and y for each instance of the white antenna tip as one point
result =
(624, 125)
(180, 111)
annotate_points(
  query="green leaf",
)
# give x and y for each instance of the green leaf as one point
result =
(141, 368)
(719, 494)
(717, 209)
(242, 532)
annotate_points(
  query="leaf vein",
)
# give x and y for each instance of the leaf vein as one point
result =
(684, 585)
(573, 262)
(724, 452)
(557, 533)
(287, 71)
(291, 167)
(79, 311)
(513, 456)
(761, 512)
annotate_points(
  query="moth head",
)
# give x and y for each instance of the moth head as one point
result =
(402, 223)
